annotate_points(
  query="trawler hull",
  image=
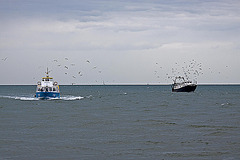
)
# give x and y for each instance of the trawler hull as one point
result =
(47, 95)
(189, 88)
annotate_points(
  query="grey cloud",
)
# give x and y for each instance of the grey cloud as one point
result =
(140, 31)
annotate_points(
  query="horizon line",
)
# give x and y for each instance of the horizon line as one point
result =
(122, 84)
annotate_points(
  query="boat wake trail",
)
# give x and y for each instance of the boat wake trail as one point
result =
(21, 98)
(26, 98)
(71, 98)
(66, 98)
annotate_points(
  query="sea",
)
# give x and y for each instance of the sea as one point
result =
(120, 122)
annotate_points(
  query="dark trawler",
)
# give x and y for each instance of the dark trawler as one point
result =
(181, 85)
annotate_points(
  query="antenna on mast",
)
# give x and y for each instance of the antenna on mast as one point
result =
(47, 72)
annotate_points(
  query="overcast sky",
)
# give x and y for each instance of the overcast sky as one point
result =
(119, 42)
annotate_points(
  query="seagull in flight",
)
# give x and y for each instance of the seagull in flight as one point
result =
(4, 59)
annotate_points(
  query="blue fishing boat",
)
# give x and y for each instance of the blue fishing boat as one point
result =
(47, 88)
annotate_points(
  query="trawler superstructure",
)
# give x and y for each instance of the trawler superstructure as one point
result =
(47, 88)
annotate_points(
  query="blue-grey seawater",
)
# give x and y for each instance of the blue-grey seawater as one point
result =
(121, 122)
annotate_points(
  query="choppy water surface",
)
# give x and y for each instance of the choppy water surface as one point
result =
(121, 122)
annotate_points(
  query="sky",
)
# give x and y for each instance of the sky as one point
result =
(120, 41)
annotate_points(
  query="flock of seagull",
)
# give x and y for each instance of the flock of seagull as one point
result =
(189, 70)
(69, 67)
(186, 70)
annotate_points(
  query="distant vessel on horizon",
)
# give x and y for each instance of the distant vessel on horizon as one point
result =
(181, 85)
(47, 88)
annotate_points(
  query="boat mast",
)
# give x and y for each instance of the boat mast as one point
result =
(47, 72)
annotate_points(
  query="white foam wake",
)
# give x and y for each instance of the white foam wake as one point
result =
(27, 98)
(21, 98)
(71, 98)
(67, 98)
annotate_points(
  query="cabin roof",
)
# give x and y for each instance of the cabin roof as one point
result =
(47, 78)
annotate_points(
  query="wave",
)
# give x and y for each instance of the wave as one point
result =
(67, 98)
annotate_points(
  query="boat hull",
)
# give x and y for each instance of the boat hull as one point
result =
(47, 95)
(190, 88)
